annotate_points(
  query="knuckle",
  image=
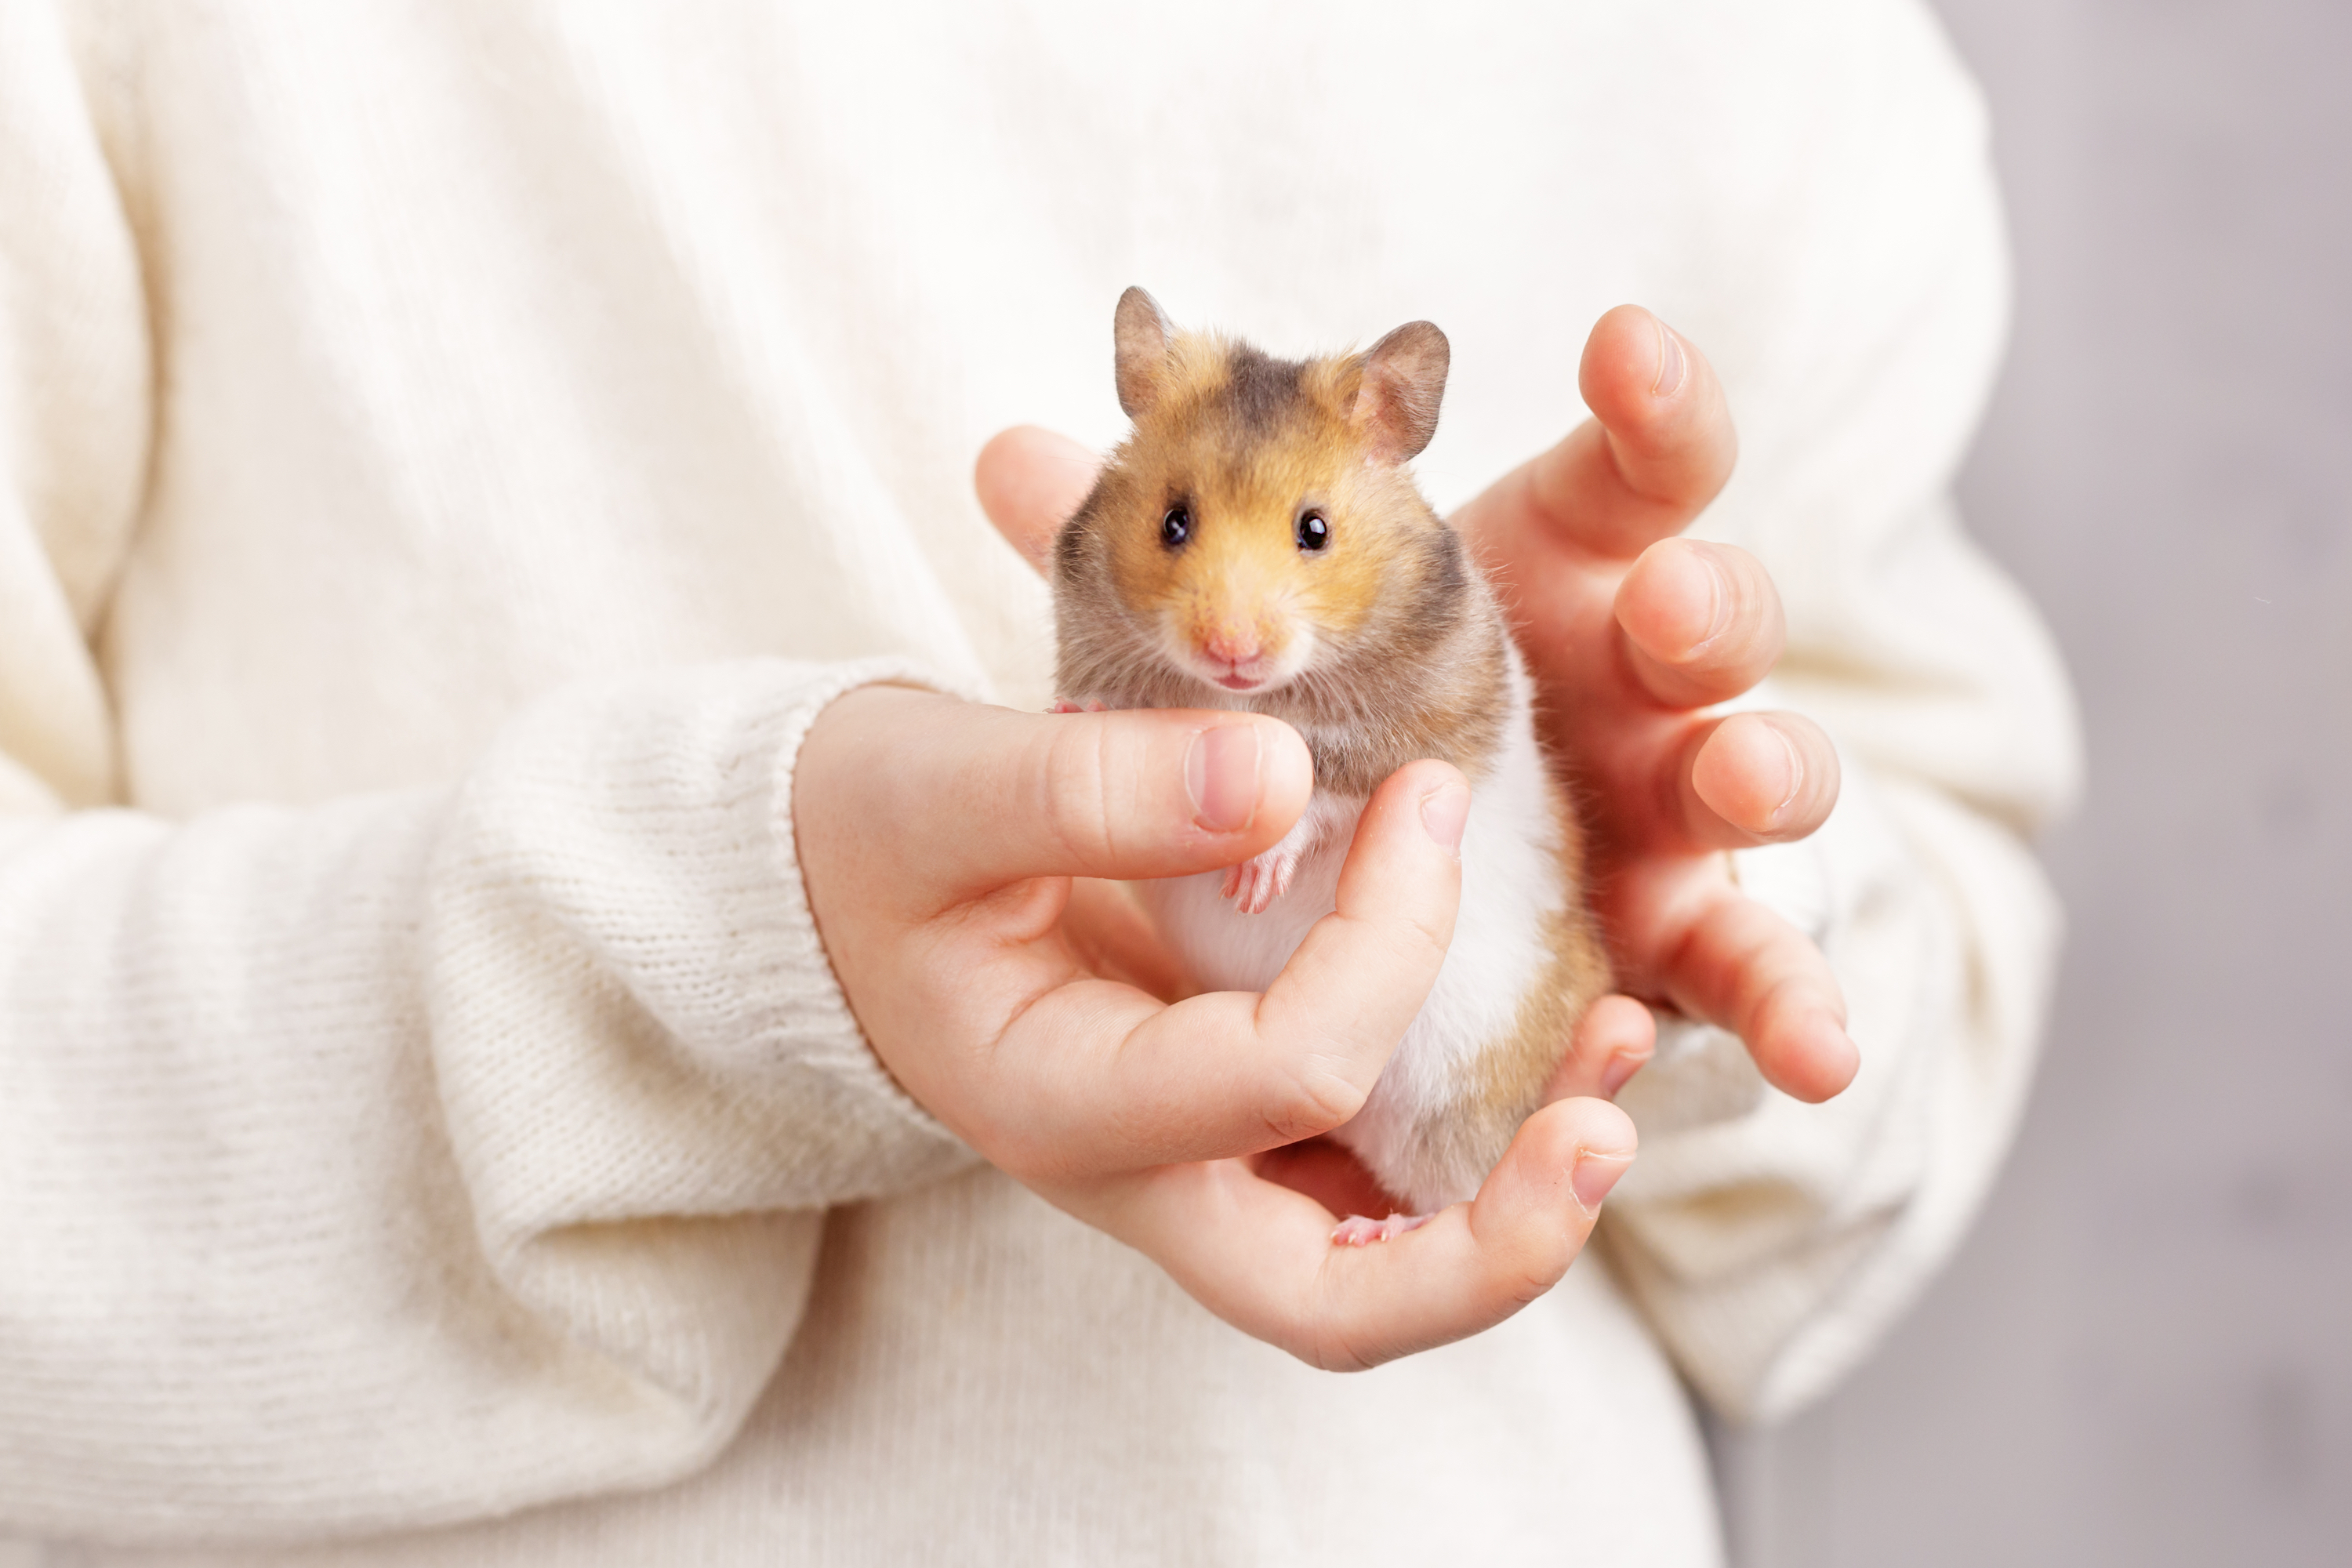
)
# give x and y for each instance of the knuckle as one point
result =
(1422, 940)
(1673, 787)
(1323, 1093)
(1528, 1268)
(1070, 784)
(1529, 1278)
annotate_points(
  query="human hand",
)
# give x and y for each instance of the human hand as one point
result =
(940, 841)
(1628, 633)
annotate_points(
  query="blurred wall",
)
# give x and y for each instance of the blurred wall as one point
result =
(2144, 1353)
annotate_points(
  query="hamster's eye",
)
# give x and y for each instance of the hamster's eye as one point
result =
(1314, 533)
(1176, 526)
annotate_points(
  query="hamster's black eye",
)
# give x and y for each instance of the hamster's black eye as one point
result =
(1314, 533)
(1176, 527)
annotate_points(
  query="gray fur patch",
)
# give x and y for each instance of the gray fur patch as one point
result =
(1263, 391)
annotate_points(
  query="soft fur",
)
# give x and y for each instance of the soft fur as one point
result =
(1385, 647)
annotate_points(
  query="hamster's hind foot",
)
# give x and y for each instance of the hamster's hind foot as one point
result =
(1357, 1231)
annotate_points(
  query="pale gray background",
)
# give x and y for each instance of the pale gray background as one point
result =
(2143, 1355)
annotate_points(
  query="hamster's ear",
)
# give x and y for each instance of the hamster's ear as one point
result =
(1141, 333)
(1402, 382)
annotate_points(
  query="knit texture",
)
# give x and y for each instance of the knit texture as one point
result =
(450, 454)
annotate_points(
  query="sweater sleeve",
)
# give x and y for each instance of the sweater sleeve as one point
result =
(408, 1158)
(1772, 1243)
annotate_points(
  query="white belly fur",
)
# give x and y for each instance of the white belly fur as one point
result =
(1511, 882)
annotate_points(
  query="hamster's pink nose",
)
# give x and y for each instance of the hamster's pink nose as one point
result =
(1231, 645)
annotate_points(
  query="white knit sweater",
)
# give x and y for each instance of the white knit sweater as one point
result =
(449, 453)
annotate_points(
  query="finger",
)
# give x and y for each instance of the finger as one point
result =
(1397, 894)
(1613, 1040)
(954, 799)
(1702, 622)
(1754, 778)
(1658, 448)
(1739, 966)
(1232, 1072)
(1261, 1256)
(1030, 480)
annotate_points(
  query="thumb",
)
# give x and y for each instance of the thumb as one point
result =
(957, 799)
(1030, 480)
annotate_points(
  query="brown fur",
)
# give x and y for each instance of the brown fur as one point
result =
(1412, 649)
(1410, 657)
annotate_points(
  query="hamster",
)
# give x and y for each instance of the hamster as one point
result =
(1257, 543)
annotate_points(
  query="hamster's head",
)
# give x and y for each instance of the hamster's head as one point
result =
(1259, 523)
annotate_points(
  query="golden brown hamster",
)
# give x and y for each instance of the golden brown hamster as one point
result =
(1257, 543)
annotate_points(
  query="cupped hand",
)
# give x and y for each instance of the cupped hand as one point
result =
(1632, 635)
(950, 852)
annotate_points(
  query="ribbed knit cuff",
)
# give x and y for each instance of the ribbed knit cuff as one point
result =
(634, 1015)
(808, 1016)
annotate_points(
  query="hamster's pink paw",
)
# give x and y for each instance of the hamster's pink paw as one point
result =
(1357, 1231)
(1256, 882)
(1064, 705)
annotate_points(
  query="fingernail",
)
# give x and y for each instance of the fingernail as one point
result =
(1670, 363)
(1595, 1174)
(1443, 811)
(1621, 1065)
(1221, 777)
(1796, 773)
(1719, 602)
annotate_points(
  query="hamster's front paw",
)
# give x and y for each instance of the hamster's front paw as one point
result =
(1256, 882)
